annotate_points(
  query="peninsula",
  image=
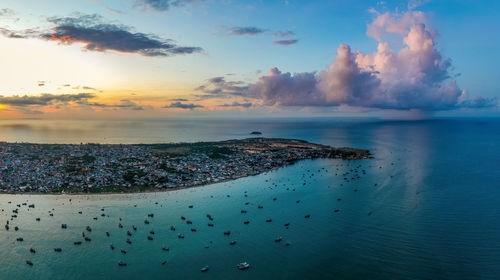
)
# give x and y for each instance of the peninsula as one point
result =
(97, 168)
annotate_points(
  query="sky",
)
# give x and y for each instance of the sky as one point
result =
(221, 58)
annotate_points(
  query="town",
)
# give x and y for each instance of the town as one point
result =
(107, 168)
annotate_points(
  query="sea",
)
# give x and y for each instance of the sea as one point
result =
(426, 206)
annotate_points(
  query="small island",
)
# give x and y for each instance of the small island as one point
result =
(113, 168)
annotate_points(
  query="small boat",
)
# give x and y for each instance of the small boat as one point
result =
(287, 224)
(183, 218)
(29, 263)
(152, 232)
(204, 269)
(129, 233)
(243, 266)
(180, 236)
(243, 211)
(37, 219)
(89, 229)
(307, 216)
(336, 210)
(232, 242)
(164, 262)
(190, 206)
(227, 232)
(122, 264)
(112, 247)
(269, 220)
(146, 222)
(57, 250)
(107, 233)
(87, 239)
(32, 250)
(16, 228)
(172, 228)
(165, 249)
(246, 222)
(193, 230)
(151, 215)
(189, 222)
(20, 239)
(260, 207)
(128, 241)
(123, 251)
(134, 228)
(77, 243)
(120, 225)
(210, 224)
(150, 238)
(278, 239)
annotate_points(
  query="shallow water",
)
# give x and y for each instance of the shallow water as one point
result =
(434, 213)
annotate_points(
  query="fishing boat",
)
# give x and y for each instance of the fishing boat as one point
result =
(243, 266)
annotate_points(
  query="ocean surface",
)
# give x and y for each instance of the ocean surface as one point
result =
(426, 207)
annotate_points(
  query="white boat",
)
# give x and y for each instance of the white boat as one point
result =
(243, 265)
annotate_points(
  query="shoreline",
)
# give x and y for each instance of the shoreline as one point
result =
(94, 169)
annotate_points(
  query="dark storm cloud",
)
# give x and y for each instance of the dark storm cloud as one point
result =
(96, 35)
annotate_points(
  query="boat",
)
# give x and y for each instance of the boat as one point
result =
(123, 251)
(232, 242)
(32, 250)
(278, 239)
(180, 236)
(89, 229)
(29, 263)
(243, 266)
(77, 243)
(64, 226)
(87, 239)
(204, 269)
(165, 249)
(20, 239)
(227, 232)
(150, 238)
(122, 264)
(57, 250)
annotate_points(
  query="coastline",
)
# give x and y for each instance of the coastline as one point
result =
(152, 168)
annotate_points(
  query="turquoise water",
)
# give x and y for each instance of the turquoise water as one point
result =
(434, 212)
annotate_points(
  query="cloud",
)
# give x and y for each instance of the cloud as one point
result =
(219, 87)
(88, 88)
(237, 104)
(178, 99)
(286, 42)
(43, 99)
(96, 35)
(246, 31)
(165, 5)
(415, 77)
(125, 104)
(180, 105)
(283, 34)
(6, 12)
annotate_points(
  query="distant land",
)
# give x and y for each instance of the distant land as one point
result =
(114, 168)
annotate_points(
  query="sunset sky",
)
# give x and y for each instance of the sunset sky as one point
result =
(163, 58)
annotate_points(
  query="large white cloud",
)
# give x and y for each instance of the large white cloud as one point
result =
(414, 77)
